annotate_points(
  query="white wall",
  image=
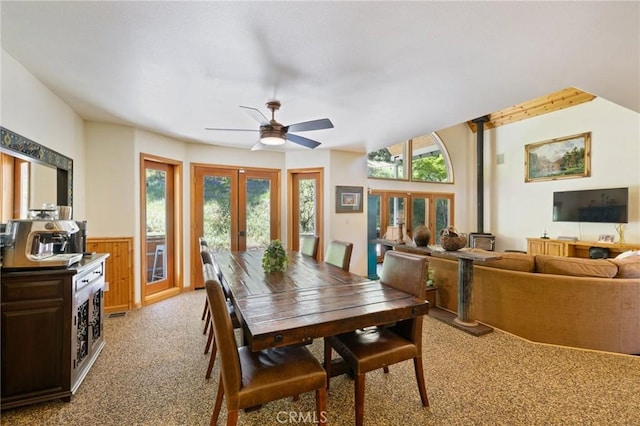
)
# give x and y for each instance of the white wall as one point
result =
(111, 179)
(30, 109)
(517, 210)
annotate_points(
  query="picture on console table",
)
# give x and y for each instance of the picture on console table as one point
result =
(560, 158)
(606, 238)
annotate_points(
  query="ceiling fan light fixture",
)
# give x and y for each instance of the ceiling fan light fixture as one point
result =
(272, 140)
(270, 136)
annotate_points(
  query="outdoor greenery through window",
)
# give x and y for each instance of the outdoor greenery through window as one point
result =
(429, 161)
(307, 207)
(387, 163)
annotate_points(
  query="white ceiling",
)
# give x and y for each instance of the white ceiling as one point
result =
(383, 72)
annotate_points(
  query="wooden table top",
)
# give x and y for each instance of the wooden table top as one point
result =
(309, 300)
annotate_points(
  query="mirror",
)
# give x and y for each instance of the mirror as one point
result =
(50, 171)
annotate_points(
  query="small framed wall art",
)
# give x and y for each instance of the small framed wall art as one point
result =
(560, 158)
(348, 199)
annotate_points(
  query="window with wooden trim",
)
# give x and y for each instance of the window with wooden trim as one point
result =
(430, 161)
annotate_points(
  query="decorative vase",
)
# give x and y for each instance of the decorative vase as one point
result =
(421, 235)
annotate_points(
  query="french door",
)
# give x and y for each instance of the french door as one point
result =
(435, 210)
(234, 209)
(160, 211)
(305, 206)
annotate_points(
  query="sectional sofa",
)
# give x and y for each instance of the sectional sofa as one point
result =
(583, 303)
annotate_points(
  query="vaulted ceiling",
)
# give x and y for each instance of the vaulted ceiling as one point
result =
(383, 72)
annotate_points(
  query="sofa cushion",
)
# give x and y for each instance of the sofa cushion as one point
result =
(628, 253)
(575, 266)
(522, 262)
(513, 261)
(628, 267)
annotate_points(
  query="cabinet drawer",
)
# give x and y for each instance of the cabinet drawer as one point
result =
(89, 277)
(18, 291)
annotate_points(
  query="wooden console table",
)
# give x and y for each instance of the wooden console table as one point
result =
(570, 248)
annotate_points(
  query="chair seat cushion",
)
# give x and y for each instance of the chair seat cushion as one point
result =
(370, 349)
(278, 373)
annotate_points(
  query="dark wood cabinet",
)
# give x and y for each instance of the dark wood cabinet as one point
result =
(52, 330)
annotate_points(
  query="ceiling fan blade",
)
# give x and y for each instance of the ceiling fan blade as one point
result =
(232, 130)
(323, 123)
(309, 143)
(258, 146)
(256, 114)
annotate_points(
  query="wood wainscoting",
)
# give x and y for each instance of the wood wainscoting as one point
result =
(118, 294)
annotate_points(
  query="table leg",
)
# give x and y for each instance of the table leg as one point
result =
(465, 283)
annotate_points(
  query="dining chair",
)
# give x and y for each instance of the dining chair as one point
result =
(203, 243)
(309, 245)
(339, 254)
(370, 349)
(248, 379)
(209, 259)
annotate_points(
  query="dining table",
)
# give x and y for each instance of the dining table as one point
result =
(310, 299)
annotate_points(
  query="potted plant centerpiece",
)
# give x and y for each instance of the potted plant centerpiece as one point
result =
(275, 257)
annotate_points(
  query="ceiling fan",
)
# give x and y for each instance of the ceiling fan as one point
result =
(273, 133)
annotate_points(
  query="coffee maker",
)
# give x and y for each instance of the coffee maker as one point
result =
(39, 243)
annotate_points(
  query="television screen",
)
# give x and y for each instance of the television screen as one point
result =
(592, 205)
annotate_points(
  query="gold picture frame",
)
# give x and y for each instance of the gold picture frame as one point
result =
(561, 158)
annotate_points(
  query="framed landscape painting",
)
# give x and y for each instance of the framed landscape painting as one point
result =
(560, 158)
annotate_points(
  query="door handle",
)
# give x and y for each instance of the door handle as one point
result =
(243, 233)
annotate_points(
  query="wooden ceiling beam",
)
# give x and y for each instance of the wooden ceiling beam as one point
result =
(543, 105)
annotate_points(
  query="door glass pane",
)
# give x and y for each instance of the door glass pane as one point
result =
(419, 213)
(397, 218)
(217, 212)
(307, 206)
(443, 215)
(156, 224)
(258, 213)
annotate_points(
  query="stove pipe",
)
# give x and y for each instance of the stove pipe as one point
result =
(480, 169)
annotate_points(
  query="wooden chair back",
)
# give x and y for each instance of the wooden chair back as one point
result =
(339, 254)
(407, 272)
(223, 328)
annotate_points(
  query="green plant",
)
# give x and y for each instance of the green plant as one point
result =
(275, 257)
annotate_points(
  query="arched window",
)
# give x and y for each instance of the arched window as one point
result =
(430, 161)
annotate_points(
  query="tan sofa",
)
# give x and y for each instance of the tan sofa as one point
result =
(584, 303)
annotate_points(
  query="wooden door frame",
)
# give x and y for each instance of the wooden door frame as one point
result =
(174, 253)
(432, 196)
(291, 231)
(197, 224)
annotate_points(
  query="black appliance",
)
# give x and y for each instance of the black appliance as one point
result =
(592, 205)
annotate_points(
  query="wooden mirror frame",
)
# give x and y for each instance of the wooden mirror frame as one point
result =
(28, 150)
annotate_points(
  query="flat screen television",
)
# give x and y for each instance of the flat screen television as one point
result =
(592, 205)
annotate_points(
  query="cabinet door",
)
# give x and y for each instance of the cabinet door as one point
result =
(96, 303)
(535, 247)
(555, 248)
(34, 338)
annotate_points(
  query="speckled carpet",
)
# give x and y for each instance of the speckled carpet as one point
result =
(151, 372)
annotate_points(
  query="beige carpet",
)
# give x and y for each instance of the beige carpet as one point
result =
(151, 372)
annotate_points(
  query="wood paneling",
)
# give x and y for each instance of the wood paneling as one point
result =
(118, 295)
(545, 104)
